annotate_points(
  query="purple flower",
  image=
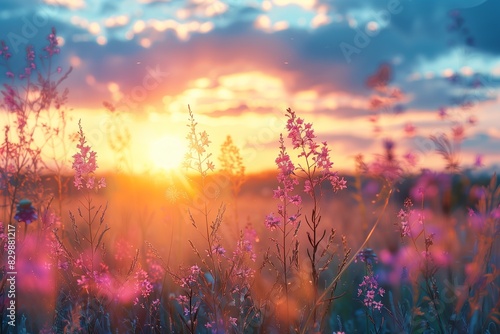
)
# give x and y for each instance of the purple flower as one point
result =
(25, 212)
(367, 255)
(370, 290)
(478, 161)
(272, 222)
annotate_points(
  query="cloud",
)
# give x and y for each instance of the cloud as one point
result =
(70, 4)
(487, 143)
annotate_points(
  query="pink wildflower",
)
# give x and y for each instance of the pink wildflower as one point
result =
(458, 132)
(404, 216)
(478, 162)
(317, 156)
(370, 290)
(287, 179)
(85, 165)
(52, 48)
(272, 222)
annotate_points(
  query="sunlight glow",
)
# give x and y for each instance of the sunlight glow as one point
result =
(167, 153)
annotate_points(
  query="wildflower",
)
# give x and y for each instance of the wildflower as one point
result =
(367, 255)
(442, 112)
(337, 182)
(195, 270)
(10, 99)
(404, 216)
(85, 165)
(293, 218)
(272, 222)
(4, 51)
(478, 161)
(370, 290)
(303, 137)
(296, 199)
(218, 250)
(156, 304)
(308, 187)
(182, 299)
(471, 212)
(143, 285)
(63, 265)
(285, 177)
(25, 212)
(381, 78)
(52, 48)
(389, 147)
(190, 278)
(84, 281)
(386, 166)
(429, 240)
(458, 132)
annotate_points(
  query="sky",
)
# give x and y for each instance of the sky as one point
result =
(240, 64)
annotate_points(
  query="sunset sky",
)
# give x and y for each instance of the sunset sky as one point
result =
(239, 64)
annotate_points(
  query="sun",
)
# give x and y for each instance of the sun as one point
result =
(167, 153)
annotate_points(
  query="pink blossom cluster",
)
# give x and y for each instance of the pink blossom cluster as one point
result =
(188, 307)
(143, 285)
(217, 249)
(30, 58)
(287, 180)
(244, 246)
(4, 51)
(155, 269)
(272, 222)
(404, 216)
(101, 279)
(10, 99)
(191, 278)
(387, 166)
(244, 249)
(85, 165)
(286, 177)
(370, 290)
(303, 138)
(52, 48)
(213, 325)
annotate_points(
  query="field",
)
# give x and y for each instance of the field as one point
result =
(211, 248)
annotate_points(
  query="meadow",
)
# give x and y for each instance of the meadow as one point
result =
(210, 248)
